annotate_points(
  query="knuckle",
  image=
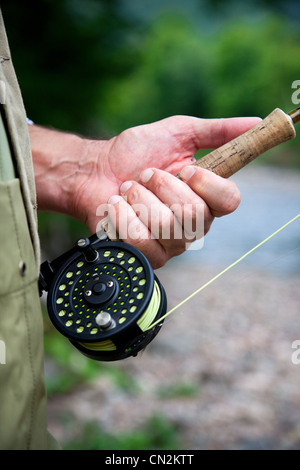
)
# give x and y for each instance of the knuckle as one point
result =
(207, 223)
(232, 198)
(133, 193)
(158, 181)
(137, 234)
(195, 218)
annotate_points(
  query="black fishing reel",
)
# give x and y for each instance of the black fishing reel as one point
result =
(104, 296)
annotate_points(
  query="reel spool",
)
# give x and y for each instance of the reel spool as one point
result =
(103, 296)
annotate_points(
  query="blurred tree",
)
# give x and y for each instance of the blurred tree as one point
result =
(246, 67)
(63, 50)
(255, 65)
(87, 66)
(172, 77)
(288, 8)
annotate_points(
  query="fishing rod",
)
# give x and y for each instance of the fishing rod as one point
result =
(103, 294)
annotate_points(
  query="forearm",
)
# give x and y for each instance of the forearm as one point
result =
(60, 161)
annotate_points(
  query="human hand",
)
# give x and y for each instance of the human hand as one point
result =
(148, 206)
(134, 173)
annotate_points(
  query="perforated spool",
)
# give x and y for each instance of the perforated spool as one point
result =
(121, 282)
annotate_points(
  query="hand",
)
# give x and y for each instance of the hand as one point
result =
(134, 173)
(156, 212)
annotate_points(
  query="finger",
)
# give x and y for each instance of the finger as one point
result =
(196, 133)
(221, 195)
(131, 230)
(155, 215)
(190, 209)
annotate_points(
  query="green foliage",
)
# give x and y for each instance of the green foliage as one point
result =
(59, 233)
(254, 67)
(244, 68)
(88, 66)
(92, 67)
(179, 390)
(67, 368)
(172, 77)
(157, 433)
(63, 50)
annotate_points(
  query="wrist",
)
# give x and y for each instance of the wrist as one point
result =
(62, 163)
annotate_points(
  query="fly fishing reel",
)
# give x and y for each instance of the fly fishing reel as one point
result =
(104, 296)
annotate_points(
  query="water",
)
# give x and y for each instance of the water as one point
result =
(270, 198)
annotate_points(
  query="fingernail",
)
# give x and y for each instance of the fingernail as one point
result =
(146, 175)
(125, 186)
(114, 199)
(187, 172)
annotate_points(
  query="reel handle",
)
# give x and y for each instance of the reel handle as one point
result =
(275, 129)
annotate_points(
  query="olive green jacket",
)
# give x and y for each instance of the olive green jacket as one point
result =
(22, 388)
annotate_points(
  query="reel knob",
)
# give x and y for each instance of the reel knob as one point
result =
(100, 289)
(104, 320)
(84, 245)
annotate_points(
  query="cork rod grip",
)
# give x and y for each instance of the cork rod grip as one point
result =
(275, 129)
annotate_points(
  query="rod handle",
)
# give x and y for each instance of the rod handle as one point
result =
(275, 129)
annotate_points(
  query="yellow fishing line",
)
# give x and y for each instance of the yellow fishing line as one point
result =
(224, 271)
(101, 346)
(147, 318)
